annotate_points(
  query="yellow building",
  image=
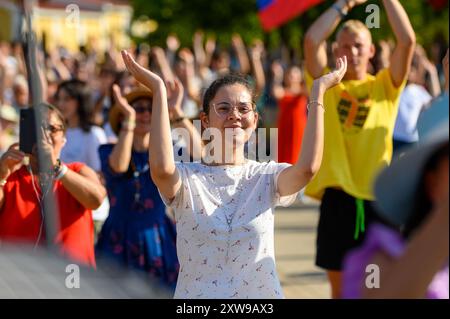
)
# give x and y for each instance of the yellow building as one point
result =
(72, 23)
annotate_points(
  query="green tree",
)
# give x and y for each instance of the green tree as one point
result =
(224, 17)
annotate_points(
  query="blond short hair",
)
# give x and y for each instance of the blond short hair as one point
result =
(353, 27)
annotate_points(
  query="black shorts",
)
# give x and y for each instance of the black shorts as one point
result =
(336, 230)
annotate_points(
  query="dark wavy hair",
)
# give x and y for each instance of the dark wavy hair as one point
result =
(226, 80)
(80, 91)
(54, 109)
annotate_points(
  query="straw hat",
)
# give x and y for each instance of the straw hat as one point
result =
(116, 117)
(8, 113)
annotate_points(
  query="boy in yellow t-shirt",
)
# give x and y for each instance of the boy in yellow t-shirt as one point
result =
(359, 122)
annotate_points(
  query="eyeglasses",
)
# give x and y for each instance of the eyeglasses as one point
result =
(142, 109)
(223, 109)
(54, 128)
(63, 98)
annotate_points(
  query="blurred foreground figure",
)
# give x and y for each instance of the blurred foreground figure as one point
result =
(413, 194)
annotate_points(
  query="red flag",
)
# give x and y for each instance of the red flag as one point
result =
(438, 4)
(273, 13)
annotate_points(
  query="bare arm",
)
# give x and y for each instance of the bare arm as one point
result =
(434, 85)
(163, 64)
(162, 164)
(318, 33)
(85, 187)
(277, 83)
(120, 157)
(55, 59)
(179, 120)
(256, 53)
(192, 90)
(241, 53)
(294, 178)
(10, 162)
(199, 51)
(405, 41)
(210, 47)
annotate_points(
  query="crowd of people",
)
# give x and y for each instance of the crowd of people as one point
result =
(204, 226)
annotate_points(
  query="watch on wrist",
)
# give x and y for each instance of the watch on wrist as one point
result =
(57, 167)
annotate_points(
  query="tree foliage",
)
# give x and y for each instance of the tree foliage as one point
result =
(221, 18)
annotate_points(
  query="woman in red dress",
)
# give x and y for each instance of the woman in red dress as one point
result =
(292, 100)
(76, 188)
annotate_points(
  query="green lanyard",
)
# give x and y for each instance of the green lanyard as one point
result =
(359, 224)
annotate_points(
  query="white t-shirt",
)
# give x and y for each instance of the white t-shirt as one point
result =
(83, 146)
(225, 242)
(412, 100)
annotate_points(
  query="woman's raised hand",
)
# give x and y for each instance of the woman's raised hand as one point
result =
(175, 95)
(144, 76)
(11, 161)
(124, 107)
(329, 80)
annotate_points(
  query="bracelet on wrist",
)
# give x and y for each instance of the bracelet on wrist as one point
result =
(57, 167)
(61, 172)
(314, 103)
(128, 125)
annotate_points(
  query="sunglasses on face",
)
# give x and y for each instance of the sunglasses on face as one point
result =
(54, 128)
(141, 106)
(142, 109)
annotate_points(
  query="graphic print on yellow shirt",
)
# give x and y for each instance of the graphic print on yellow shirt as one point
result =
(352, 112)
(359, 123)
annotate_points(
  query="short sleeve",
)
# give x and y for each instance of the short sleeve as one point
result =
(76, 166)
(391, 92)
(284, 201)
(178, 199)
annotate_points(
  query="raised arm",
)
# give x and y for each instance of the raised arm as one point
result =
(405, 41)
(315, 38)
(84, 185)
(179, 120)
(199, 51)
(433, 78)
(241, 52)
(162, 165)
(256, 54)
(294, 178)
(192, 89)
(120, 157)
(10, 162)
(277, 82)
(163, 64)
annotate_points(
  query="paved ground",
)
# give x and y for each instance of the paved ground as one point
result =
(295, 236)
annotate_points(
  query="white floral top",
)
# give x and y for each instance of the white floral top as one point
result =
(225, 230)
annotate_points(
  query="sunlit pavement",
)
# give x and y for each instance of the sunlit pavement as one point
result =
(295, 244)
